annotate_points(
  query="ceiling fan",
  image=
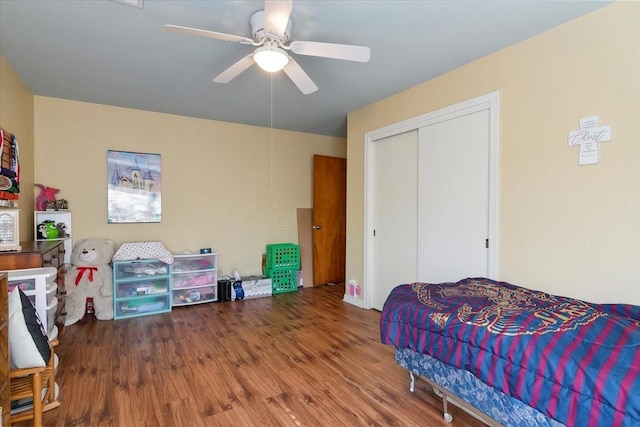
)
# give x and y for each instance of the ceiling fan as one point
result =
(271, 31)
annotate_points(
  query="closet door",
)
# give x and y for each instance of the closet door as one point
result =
(431, 198)
(453, 201)
(393, 231)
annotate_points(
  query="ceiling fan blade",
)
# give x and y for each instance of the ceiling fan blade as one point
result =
(232, 72)
(207, 33)
(331, 50)
(276, 16)
(299, 77)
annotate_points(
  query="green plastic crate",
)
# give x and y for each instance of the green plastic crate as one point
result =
(283, 280)
(282, 256)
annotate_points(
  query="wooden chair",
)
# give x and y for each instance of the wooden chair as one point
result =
(28, 383)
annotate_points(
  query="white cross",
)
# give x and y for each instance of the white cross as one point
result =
(588, 137)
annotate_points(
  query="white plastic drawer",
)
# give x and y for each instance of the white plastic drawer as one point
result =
(51, 300)
(30, 279)
(142, 305)
(190, 280)
(193, 263)
(142, 287)
(26, 285)
(137, 270)
(51, 315)
(197, 295)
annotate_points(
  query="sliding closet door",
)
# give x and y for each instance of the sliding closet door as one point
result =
(453, 201)
(393, 229)
(431, 198)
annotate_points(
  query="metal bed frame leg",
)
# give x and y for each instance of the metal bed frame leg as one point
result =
(446, 415)
(445, 395)
(439, 392)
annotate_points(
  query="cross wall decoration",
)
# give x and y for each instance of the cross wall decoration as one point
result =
(588, 137)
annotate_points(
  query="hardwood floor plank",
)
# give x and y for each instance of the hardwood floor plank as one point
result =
(303, 358)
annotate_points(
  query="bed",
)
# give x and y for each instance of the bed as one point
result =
(517, 357)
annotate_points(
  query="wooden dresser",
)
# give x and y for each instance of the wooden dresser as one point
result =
(5, 402)
(47, 253)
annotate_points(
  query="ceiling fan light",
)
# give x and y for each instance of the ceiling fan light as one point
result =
(270, 58)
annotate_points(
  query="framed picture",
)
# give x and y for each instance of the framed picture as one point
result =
(134, 189)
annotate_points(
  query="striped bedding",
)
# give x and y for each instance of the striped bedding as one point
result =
(575, 362)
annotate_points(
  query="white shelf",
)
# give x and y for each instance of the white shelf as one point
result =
(58, 217)
(194, 279)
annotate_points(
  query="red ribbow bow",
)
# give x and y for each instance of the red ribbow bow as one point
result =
(81, 271)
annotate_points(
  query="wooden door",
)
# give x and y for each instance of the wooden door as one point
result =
(329, 219)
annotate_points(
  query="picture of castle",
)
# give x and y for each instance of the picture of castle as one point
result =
(134, 189)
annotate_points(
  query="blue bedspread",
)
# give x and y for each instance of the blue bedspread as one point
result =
(506, 410)
(576, 362)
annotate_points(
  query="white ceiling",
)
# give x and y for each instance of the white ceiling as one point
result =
(109, 53)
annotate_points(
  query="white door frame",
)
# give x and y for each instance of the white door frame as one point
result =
(489, 102)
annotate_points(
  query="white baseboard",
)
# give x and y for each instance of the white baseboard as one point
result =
(354, 301)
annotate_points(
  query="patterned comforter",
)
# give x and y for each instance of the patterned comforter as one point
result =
(576, 362)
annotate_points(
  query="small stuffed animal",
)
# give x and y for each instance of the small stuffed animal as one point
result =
(48, 230)
(62, 229)
(42, 231)
(90, 276)
(47, 194)
(62, 204)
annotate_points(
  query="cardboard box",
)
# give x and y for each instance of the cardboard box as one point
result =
(254, 287)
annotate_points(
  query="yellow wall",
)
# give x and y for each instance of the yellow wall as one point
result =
(16, 116)
(224, 185)
(563, 228)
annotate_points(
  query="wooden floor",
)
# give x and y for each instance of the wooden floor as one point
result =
(304, 358)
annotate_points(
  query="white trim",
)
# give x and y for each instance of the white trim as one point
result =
(494, 171)
(353, 301)
(489, 101)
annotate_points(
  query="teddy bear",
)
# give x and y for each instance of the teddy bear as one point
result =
(90, 276)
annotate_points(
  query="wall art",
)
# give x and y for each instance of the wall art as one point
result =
(134, 189)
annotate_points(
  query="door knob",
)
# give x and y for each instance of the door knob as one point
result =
(317, 227)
